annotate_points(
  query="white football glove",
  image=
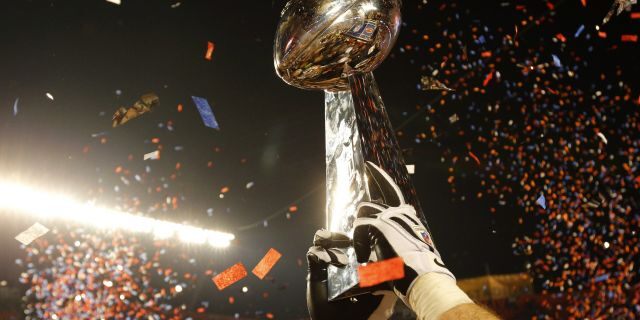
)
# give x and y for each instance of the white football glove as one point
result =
(390, 228)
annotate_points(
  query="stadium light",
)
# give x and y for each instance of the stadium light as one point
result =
(21, 198)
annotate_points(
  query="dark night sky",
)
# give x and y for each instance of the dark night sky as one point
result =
(83, 51)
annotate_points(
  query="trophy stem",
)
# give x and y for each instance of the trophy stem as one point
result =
(378, 141)
(346, 185)
(357, 129)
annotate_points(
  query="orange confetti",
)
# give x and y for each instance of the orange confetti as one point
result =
(178, 166)
(174, 202)
(155, 140)
(232, 300)
(270, 315)
(561, 37)
(635, 15)
(210, 48)
(629, 38)
(550, 6)
(472, 155)
(374, 273)
(293, 208)
(602, 34)
(266, 264)
(230, 276)
(487, 79)
(584, 3)
(118, 169)
(224, 190)
(179, 107)
(486, 54)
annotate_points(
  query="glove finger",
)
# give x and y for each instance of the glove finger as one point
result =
(327, 239)
(383, 248)
(318, 262)
(318, 255)
(338, 257)
(323, 257)
(370, 234)
(369, 209)
(403, 213)
(364, 230)
(381, 186)
(362, 243)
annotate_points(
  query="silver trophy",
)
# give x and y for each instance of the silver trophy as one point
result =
(334, 45)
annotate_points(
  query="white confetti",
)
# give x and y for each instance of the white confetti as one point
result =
(601, 136)
(34, 232)
(15, 106)
(155, 155)
(49, 96)
(411, 168)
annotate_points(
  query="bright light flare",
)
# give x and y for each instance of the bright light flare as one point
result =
(368, 6)
(18, 197)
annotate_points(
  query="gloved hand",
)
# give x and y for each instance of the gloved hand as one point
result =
(326, 250)
(390, 228)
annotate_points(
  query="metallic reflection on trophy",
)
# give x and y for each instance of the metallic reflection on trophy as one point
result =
(334, 45)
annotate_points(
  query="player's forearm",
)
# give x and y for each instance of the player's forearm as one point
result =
(467, 311)
(436, 296)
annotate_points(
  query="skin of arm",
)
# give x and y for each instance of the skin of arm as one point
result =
(468, 311)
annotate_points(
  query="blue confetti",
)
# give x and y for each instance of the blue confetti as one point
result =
(580, 29)
(542, 202)
(556, 61)
(601, 278)
(205, 112)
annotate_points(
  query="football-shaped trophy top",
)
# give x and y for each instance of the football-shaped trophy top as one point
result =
(319, 43)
